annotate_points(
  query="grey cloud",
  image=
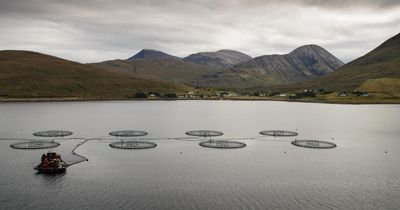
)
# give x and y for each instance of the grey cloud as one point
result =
(96, 30)
(328, 3)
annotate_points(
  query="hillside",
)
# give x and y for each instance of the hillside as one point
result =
(25, 74)
(224, 58)
(378, 70)
(302, 64)
(166, 70)
(217, 69)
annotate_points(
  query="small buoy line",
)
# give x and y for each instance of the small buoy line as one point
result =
(133, 139)
(73, 152)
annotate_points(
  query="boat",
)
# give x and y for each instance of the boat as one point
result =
(51, 163)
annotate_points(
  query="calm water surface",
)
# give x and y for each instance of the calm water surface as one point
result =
(361, 173)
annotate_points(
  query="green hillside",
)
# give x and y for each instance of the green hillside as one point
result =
(374, 71)
(174, 71)
(25, 74)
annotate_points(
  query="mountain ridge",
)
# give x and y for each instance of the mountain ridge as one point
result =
(216, 69)
(224, 58)
(26, 74)
(303, 63)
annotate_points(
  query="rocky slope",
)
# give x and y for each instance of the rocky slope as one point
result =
(224, 58)
(304, 63)
(229, 69)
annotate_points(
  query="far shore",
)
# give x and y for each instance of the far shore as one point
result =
(303, 100)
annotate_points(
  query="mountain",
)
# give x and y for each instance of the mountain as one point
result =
(302, 64)
(218, 69)
(166, 70)
(25, 74)
(224, 58)
(377, 71)
(152, 54)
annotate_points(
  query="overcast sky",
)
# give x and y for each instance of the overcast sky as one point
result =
(97, 30)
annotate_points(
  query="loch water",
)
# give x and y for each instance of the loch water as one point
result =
(362, 172)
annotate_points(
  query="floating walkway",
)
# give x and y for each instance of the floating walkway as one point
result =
(128, 133)
(133, 145)
(204, 133)
(278, 133)
(35, 144)
(53, 133)
(314, 144)
(220, 144)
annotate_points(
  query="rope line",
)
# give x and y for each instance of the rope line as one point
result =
(108, 138)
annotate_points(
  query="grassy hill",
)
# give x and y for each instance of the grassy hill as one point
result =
(377, 71)
(25, 74)
(175, 71)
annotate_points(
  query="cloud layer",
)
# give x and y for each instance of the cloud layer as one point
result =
(96, 30)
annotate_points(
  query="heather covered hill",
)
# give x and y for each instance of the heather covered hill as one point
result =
(25, 74)
(378, 70)
(166, 70)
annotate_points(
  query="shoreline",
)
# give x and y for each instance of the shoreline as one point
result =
(33, 100)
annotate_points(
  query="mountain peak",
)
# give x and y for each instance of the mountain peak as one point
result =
(303, 63)
(152, 54)
(314, 52)
(310, 48)
(225, 58)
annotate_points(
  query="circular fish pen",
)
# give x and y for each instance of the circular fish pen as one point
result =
(133, 145)
(36, 144)
(204, 133)
(278, 133)
(53, 133)
(221, 144)
(128, 133)
(314, 144)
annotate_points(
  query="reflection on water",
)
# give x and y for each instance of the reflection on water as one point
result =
(362, 172)
(51, 179)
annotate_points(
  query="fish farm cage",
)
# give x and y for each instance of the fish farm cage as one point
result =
(128, 133)
(133, 145)
(53, 133)
(222, 144)
(35, 144)
(314, 144)
(278, 133)
(218, 144)
(204, 133)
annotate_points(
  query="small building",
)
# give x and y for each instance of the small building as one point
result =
(293, 96)
(343, 94)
